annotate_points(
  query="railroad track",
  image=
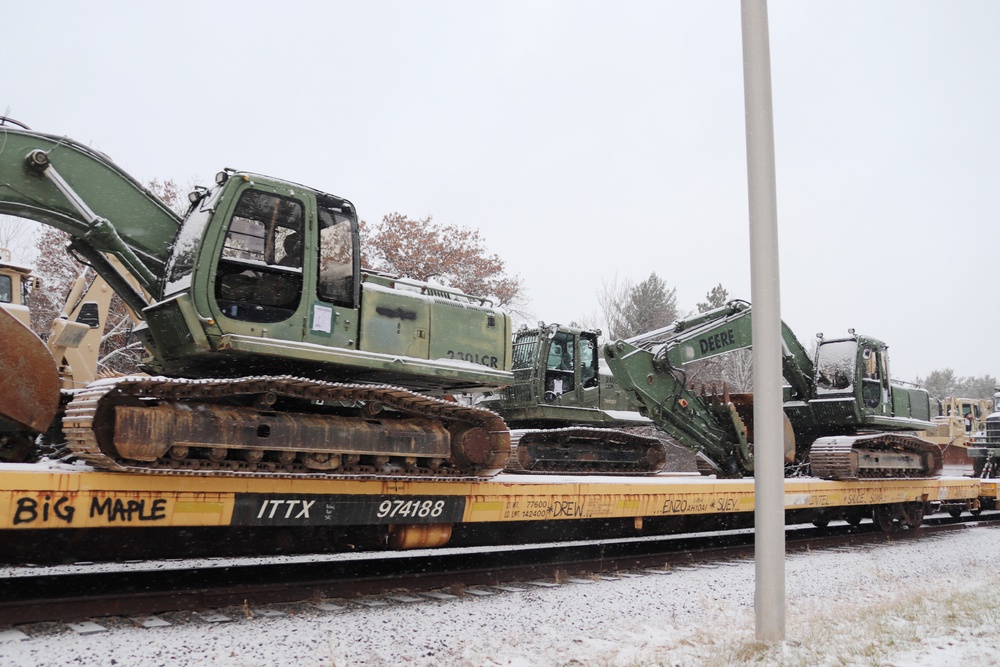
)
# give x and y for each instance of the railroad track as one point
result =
(158, 587)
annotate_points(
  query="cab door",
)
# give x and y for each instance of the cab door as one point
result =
(875, 395)
(334, 260)
(257, 280)
(588, 385)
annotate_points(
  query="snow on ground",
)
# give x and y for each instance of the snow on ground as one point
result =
(922, 603)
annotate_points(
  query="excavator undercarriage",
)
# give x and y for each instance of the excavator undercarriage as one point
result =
(874, 456)
(584, 451)
(280, 425)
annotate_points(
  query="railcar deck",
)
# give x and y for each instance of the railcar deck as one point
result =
(37, 496)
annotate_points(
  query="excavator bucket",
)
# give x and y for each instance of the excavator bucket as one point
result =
(29, 389)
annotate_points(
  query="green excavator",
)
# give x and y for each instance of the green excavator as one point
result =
(844, 417)
(567, 412)
(270, 350)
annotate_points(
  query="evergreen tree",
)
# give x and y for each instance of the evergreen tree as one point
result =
(716, 298)
(650, 306)
(941, 383)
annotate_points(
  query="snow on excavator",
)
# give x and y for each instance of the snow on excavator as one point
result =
(270, 350)
(844, 418)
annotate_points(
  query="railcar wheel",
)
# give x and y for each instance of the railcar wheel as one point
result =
(854, 517)
(893, 517)
(884, 517)
(912, 515)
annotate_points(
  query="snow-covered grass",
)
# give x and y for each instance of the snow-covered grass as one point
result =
(933, 601)
(960, 626)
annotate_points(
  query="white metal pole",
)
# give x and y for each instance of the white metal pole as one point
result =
(769, 485)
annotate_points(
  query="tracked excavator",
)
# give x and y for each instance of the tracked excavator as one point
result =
(566, 411)
(270, 351)
(844, 418)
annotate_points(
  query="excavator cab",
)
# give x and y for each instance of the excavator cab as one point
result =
(856, 370)
(260, 275)
(268, 274)
(572, 367)
(557, 372)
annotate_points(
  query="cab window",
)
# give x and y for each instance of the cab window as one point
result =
(259, 278)
(336, 257)
(588, 361)
(559, 376)
(6, 290)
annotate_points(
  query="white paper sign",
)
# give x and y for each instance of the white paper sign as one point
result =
(322, 318)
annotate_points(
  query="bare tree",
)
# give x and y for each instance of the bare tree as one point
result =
(16, 235)
(56, 270)
(170, 193)
(610, 298)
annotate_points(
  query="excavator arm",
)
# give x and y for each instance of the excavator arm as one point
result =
(653, 367)
(62, 183)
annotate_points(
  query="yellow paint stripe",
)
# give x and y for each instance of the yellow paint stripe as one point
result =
(199, 508)
(494, 506)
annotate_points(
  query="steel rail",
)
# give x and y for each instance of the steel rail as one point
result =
(75, 596)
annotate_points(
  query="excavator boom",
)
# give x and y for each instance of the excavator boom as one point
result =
(89, 197)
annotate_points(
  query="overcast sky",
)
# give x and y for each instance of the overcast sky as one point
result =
(583, 139)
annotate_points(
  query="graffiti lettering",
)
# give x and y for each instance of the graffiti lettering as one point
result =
(725, 504)
(117, 509)
(29, 510)
(679, 505)
(570, 509)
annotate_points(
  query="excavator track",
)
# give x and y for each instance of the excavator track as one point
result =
(874, 456)
(239, 427)
(584, 451)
